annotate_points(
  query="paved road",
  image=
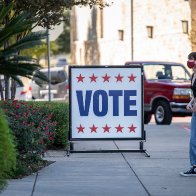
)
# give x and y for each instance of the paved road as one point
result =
(175, 120)
(117, 174)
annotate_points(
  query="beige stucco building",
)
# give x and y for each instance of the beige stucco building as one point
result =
(162, 30)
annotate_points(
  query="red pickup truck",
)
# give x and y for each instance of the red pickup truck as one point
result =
(166, 90)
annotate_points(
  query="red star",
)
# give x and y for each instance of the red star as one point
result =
(80, 129)
(132, 128)
(93, 129)
(119, 78)
(93, 78)
(132, 78)
(106, 78)
(80, 78)
(119, 128)
(106, 128)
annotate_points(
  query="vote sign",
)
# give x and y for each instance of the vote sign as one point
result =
(106, 102)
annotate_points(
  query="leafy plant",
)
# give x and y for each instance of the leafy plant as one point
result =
(33, 130)
(60, 114)
(45, 125)
(28, 165)
(48, 13)
(14, 37)
(7, 150)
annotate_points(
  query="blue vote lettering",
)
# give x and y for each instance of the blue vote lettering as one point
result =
(115, 94)
(96, 101)
(84, 107)
(128, 102)
(100, 102)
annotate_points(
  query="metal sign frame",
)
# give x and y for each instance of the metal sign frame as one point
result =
(71, 138)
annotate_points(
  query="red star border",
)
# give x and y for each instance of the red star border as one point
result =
(80, 78)
(132, 78)
(106, 78)
(93, 78)
(119, 128)
(132, 128)
(106, 128)
(80, 129)
(93, 129)
(119, 78)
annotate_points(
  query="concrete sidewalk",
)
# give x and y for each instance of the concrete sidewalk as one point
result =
(116, 174)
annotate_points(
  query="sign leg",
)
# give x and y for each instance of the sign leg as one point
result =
(68, 148)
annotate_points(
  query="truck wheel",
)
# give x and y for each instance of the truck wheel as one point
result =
(147, 118)
(162, 113)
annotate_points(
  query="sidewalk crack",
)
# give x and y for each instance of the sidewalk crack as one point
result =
(34, 184)
(133, 170)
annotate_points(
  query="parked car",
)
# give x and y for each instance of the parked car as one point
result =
(58, 87)
(166, 90)
(22, 92)
(61, 62)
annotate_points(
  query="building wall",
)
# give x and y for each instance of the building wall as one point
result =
(117, 17)
(193, 24)
(169, 43)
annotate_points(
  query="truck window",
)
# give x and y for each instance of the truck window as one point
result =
(167, 71)
(179, 73)
(153, 72)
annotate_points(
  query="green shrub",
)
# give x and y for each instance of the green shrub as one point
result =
(60, 114)
(36, 127)
(28, 165)
(32, 127)
(7, 150)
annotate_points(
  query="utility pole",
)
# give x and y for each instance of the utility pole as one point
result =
(132, 40)
(49, 73)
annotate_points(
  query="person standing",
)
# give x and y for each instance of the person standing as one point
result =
(191, 63)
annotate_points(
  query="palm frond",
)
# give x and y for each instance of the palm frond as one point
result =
(19, 18)
(34, 35)
(21, 59)
(18, 25)
(29, 41)
(4, 10)
(28, 70)
(20, 69)
(40, 75)
(12, 64)
(12, 51)
(17, 79)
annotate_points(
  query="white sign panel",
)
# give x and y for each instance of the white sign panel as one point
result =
(106, 102)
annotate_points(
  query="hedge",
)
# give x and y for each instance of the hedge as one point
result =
(60, 114)
(7, 150)
(36, 126)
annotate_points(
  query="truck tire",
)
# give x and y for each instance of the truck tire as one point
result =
(162, 113)
(147, 118)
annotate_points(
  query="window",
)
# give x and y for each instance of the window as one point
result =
(185, 27)
(179, 73)
(152, 72)
(149, 31)
(121, 35)
(161, 71)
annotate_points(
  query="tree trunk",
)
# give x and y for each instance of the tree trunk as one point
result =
(13, 89)
(7, 87)
(6, 44)
(1, 91)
